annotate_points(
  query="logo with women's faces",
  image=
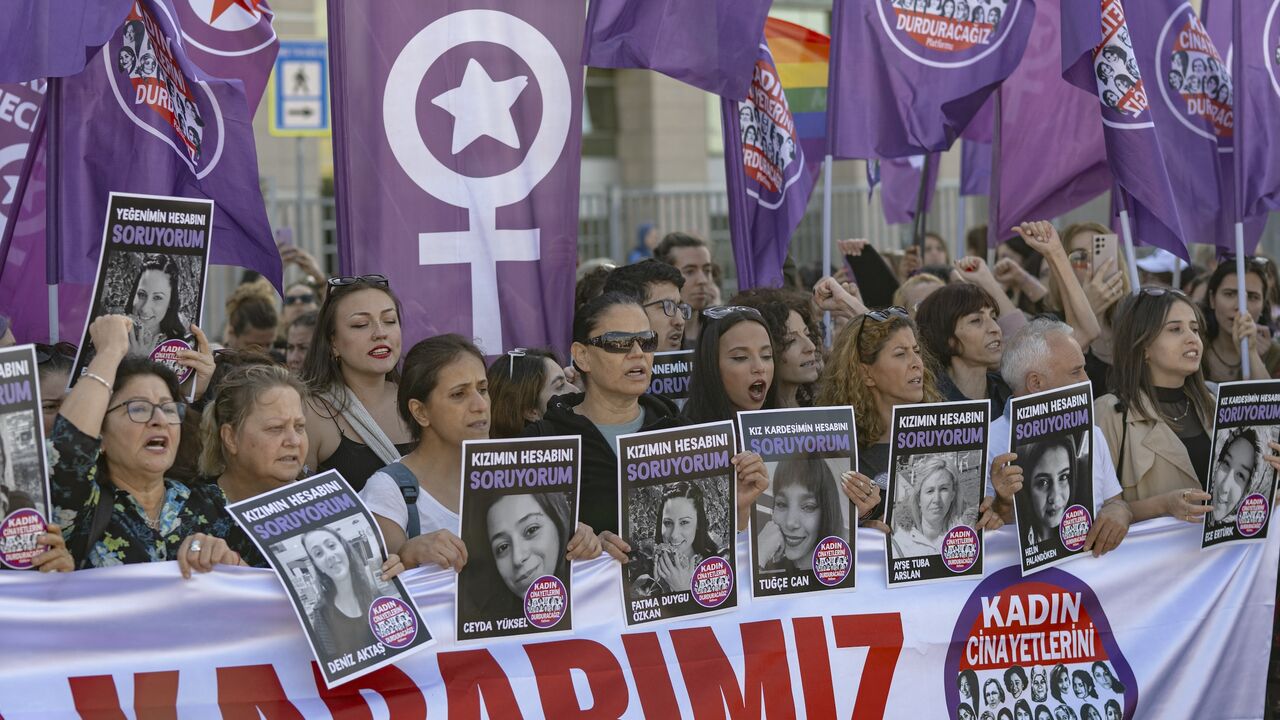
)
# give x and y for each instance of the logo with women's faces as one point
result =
(392, 622)
(545, 602)
(712, 582)
(166, 353)
(18, 534)
(1022, 644)
(770, 153)
(1115, 66)
(832, 561)
(948, 33)
(1251, 516)
(1271, 44)
(960, 548)
(156, 94)
(1197, 81)
(1074, 528)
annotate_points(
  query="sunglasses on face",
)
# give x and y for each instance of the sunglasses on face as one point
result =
(45, 352)
(345, 280)
(299, 299)
(880, 316)
(670, 307)
(622, 342)
(719, 313)
(141, 411)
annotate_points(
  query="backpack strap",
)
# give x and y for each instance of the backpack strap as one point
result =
(408, 484)
(98, 524)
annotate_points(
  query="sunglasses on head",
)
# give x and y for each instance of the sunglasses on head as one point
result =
(622, 342)
(723, 311)
(46, 352)
(306, 299)
(1155, 291)
(511, 357)
(880, 316)
(345, 280)
(1250, 260)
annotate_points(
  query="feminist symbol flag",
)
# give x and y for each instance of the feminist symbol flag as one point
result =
(907, 76)
(142, 118)
(231, 39)
(457, 154)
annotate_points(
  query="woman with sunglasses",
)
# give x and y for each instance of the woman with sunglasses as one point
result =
(114, 443)
(521, 385)
(1159, 410)
(1225, 327)
(352, 422)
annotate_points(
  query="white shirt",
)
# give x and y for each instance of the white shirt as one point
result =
(382, 495)
(1105, 483)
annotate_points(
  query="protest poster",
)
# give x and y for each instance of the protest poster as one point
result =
(155, 253)
(803, 527)
(670, 378)
(937, 474)
(1241, 483)
(328, 553)
(519, 510)
(678, 510)
(1052, 434)
(24, 472)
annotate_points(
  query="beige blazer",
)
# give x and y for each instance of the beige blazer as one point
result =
(1154, 460)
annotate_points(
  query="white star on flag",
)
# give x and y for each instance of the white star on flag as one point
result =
(8, 195)
(481, 106)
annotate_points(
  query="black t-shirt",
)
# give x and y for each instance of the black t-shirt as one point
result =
(874, 463)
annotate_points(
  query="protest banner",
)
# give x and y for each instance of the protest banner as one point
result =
(937, 473)
(328, 553)
(681, 531)
(519, 510)
(236, 652)
(1052, 434)
(155, 254)
(1241, 482)
(671, 372)
(802, 526)
(24, 470)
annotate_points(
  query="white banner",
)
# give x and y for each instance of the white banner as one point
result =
(1157, 629)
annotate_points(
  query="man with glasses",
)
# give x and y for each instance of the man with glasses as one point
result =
(656, 286)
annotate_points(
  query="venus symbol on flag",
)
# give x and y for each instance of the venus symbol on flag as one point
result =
(480, 106)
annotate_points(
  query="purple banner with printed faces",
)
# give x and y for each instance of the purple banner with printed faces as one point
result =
(231, 39)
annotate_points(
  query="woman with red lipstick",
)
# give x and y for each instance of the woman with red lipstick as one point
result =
(352, 422)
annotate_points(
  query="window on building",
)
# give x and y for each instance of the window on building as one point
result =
(599, 114)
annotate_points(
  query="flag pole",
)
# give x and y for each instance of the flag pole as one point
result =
(1130, 257)
(957, 245)
(919, 224)
(993, 185)
(826, 238)
(1237, 159)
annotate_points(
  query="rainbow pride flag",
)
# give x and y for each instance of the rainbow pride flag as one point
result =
(802, 56)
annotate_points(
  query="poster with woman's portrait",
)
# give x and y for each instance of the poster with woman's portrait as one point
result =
(937, 472)
(1241, 484)
(519, 511)
(155, 252)
(677, 503)
(1052, 434)
(803, 528)
(328, 553)
(24, 472)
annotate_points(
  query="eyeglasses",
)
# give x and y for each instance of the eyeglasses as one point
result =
(141, 411)
(894, 311)
(622, 342)
(45, 352)
(669, 308)
(511, 356)
(1250, 260)
(306, 299)
(345, 280)
(719, 313)
(1155, 291)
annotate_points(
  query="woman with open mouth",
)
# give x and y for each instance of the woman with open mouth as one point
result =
(797, 360)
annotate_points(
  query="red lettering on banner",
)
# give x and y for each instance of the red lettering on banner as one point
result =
(404, 700)
(709, 676)
(815, 668)
(882, 634)
(244, 691)
(652, 676)
(155, 696)
(469, 675)
(552, 662)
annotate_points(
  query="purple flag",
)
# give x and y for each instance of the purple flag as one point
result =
(900, 187)
(1257, 65)
(975, 168)
(458, 136)
(709, 44)
(907, 76)
(770, 176)
(231, 39)
(1049, 156)
(142, 118)
(54, 38)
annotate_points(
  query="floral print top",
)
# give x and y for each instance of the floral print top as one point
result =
(186, 510)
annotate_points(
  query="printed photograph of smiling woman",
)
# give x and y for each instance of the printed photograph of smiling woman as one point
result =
(935, 498)
(1241, 483)
(519, 513)
(151, 269)
(800, 525)
(24, 474)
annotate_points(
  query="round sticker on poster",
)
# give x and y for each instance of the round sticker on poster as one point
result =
(167, 353)
(960, 548)
(18, 535)
(1074, 528)
(832, 560)
(1034, 637)
(948, 33)
(392, 622)
(545, 602)
(712, 582)
(1251, 516)
(1197, 81)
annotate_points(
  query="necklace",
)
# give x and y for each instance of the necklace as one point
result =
(1185, 409)
(1217, 356)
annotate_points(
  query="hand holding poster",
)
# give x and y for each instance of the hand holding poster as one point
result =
(937, 472)
(328, 554)
(519, 511)
(801, 540)
(24, 474)
(1052, 434)
(1241, 482)
(671, 371)
(155, 252)
(679, 514)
